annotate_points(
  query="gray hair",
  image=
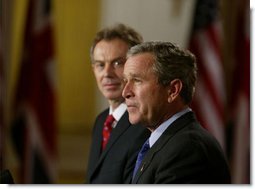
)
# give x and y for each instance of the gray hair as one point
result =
(171, 62)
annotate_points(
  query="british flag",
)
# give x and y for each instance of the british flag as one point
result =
(34, 108)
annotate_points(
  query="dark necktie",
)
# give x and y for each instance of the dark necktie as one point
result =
(107, 130)
(141, 154)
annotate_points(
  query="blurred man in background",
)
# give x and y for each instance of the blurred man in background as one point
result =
(115, 142)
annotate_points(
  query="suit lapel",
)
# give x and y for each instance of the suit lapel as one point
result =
(96, 143)
(163, 139)
(122, 125)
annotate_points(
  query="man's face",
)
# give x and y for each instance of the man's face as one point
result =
(145, 98)
(109, 59)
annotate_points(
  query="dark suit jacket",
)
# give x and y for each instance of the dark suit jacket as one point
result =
(6, 177)
(116, 163)
(185, 153)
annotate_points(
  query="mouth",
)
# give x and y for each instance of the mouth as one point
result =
(111, 85)
(131, 107)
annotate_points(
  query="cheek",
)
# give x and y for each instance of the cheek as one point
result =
(147, 105)
(97, 76)
(145, 99)
(99, 81)
(152, 101)
(119, 73)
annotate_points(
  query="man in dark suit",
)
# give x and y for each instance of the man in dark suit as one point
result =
(115, 142)
(160, 83)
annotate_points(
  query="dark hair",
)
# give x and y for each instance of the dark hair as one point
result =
(171, 62)
(121, 31)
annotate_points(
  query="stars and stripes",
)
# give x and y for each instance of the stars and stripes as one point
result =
(240, 101)
(210, 96)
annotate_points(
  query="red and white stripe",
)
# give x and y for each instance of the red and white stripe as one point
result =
(210, 95)
(240, 157)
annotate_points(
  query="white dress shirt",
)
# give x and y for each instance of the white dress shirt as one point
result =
(118, 113)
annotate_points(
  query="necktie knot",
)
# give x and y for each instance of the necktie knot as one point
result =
(109, 120)
(107, 130)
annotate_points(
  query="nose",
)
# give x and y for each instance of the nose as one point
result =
(127, 93)
(108, 70)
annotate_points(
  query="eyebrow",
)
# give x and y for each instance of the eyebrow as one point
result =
(111, 61)
(132, 75)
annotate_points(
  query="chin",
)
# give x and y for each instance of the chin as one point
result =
(133, 120)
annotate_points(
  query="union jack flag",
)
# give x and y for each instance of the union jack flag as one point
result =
(34, 121)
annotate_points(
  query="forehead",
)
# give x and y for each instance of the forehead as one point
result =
(111, 46)
(139, 64)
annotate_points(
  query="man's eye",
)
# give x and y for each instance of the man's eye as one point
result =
(99, 65)
(136, 80)
(119, 63)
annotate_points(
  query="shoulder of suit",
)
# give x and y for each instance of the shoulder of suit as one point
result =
(103, 113)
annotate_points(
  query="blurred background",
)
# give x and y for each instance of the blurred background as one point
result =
(49, 98)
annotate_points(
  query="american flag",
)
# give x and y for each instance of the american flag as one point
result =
(240, 99)
(210, 96)
(34, 116)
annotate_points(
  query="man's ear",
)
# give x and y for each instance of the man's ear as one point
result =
(175, 87)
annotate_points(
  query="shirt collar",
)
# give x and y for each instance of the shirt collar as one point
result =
(118, 112)
(158, 132)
